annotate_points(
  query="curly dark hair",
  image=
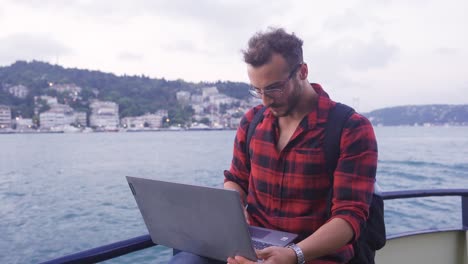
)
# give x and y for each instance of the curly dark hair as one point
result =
(262, 45)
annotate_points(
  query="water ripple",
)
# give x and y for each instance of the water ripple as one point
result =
(57, 202)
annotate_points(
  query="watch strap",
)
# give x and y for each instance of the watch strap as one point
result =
(299, 253)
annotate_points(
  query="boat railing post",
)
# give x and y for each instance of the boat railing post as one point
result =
(465, 211)
(464, 208)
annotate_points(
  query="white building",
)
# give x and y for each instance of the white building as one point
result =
(162, 113)
(44, 100)
(149, 120)
(131, 122)
(221, 99)
(72, 90)
(183, 97)
(70, 87)
(50, 119)
(216, 121)
(66, 109)
(208, 91)
(23, 123)
(48, 99)
(104, 115)
(198, 109)
(153, 120)
(58, 116)
(5, 116)
(20, 91)
(234, 122)
(80, 118)
(196, 99)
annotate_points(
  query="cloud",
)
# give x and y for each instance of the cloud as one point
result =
(353, 54)
(217, 23)
(230, 13)
(362, 56)
(348, 20)
(225, 14)
(341, 45)
(130, 56)
(38, 3)
(339, 64)
(353, 19)
(221, 23)
(30, 46)
(184, 46)
(446, 51)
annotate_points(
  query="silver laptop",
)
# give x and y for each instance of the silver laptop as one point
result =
(205, 221)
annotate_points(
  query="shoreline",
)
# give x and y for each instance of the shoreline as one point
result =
(115, 131)
(12, 131)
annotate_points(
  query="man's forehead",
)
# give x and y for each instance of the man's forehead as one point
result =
(276, 66)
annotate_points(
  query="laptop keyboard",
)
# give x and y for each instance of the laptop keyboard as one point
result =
(260, 245)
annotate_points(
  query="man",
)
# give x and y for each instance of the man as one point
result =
(285, 181)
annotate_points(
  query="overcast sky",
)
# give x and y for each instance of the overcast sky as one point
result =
(366, 53)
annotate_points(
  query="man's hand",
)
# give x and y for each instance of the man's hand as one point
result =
(269, 255)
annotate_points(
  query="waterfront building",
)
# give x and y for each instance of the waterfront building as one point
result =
(51, 119)
(234, 122)
(153, 120)
(23, 123)
(80, 118)
(59, 115)
(44, 100)
(104, 115)
(5, 116)
(148, 120)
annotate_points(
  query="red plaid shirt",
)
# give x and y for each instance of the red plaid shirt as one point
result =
(289, 190)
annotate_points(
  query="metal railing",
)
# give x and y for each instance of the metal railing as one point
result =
(123, 247)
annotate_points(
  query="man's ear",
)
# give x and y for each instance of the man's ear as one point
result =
(304, 71)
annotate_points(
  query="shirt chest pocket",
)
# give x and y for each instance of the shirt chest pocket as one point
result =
(307, 177)
(308, 162)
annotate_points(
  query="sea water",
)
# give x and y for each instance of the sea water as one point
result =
(65, 193)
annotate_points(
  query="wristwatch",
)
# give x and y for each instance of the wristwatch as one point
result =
(299, 253)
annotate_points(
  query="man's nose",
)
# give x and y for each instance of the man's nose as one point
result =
(266, 100)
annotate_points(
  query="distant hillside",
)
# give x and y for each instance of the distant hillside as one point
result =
(420, 115)
(135, 95)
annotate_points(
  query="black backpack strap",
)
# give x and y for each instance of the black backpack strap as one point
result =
(337, 117)
(251, 130)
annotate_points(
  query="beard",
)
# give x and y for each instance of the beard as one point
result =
(282, 109)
